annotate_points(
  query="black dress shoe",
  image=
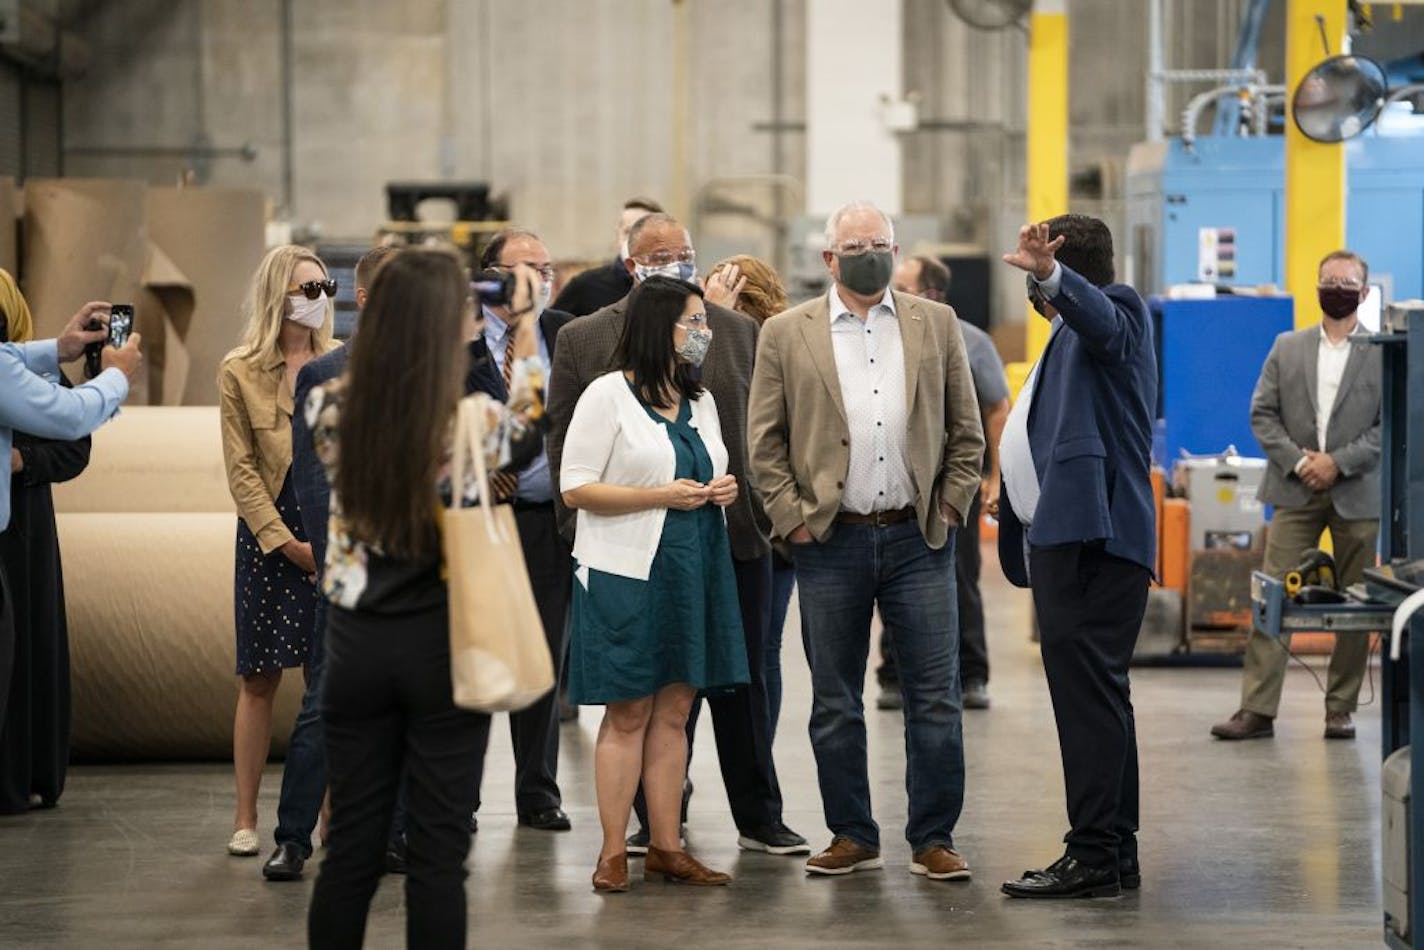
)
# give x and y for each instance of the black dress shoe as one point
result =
(396, 862)
(1129, 872)
(550, 819)
(285, 864)
(1067, 877)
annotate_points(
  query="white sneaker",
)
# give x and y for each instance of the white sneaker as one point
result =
(244, 843)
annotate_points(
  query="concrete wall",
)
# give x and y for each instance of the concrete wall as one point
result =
(572, 105)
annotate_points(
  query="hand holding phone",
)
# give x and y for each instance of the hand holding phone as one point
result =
(121, 323)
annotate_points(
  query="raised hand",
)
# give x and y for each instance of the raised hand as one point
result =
(1036, 251)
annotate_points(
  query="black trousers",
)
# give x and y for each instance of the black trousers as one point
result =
(387, 709)
(973, 645)
(1089, 606)
(741, 718)
(535, 730)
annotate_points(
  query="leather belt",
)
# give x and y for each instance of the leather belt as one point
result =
(878, 519)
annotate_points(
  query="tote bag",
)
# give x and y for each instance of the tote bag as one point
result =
(499, 657)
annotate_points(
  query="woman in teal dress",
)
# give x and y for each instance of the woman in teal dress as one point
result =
(655, 610)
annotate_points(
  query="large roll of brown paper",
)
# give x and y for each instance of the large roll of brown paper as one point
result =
(147, 534)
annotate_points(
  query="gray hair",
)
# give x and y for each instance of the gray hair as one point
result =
(834, 221)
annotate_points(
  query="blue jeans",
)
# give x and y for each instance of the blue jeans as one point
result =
(304, 772)
(783, 579)
(841, 581)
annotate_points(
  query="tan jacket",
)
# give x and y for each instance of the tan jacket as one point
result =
(255, 409)
(799, 439)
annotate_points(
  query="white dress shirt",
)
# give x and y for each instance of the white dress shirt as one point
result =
(1015, 452)
(1329, 370)
(870, 361)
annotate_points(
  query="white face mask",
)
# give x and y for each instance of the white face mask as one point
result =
(545, 295)
(309, 313)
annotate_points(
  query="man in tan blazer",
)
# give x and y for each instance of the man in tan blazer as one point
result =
(866, 445)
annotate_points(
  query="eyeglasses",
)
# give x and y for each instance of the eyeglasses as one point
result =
(313, 289)
(856, 248)
(545, 271)
(664, 258)
(697, 321)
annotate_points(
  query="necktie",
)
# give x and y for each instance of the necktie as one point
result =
(504, 484)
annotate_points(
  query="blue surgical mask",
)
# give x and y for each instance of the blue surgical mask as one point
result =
(677, 270)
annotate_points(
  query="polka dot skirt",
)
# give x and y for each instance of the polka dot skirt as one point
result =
(275, 606)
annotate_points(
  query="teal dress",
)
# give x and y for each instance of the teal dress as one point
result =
(683, 624)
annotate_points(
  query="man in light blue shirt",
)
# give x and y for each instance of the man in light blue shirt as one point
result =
(32, 400)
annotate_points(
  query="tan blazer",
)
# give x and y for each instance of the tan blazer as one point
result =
(799, 439)
(256, 413)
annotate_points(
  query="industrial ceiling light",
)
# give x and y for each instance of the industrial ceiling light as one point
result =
(1339, 98)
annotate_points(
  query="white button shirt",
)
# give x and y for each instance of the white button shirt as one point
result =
(1015, 453)
(870, 361)
(1329, 370)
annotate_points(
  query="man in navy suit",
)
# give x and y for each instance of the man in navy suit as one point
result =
(1078, 526)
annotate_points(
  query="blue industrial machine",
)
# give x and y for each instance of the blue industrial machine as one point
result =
(1209, 353)
(1214, 211)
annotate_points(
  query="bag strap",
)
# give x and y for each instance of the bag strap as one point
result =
(469, 438)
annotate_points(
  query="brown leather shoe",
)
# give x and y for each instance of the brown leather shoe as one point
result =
(611, 875)
(1245, 724)
(1338, 725)
(681, 868)
(844, 856)
(940, 864)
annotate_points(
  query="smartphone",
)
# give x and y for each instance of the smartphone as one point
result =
(121, 321)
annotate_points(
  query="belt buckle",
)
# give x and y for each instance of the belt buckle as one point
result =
(879, 519)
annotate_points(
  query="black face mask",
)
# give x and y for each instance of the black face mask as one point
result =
(1338, 302)
(1036, 300)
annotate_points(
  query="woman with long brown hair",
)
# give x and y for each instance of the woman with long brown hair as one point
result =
(383, 432)
(289, 315)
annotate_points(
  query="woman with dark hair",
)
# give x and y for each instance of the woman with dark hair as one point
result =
(655, 610)
(383, 431)
(34, 737)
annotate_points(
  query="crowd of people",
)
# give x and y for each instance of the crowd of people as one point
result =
(678, 453)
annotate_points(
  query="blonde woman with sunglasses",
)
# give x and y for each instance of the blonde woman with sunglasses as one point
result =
(289, 319)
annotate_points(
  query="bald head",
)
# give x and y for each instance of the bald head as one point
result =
(658, 240)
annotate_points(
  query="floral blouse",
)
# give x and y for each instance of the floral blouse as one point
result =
(358, 575)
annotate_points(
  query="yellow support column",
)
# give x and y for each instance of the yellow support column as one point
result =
(1047, 130)
(1315, 172)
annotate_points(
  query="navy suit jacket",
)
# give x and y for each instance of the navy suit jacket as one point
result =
(1090, 429)
(485, 377)
(308, 474)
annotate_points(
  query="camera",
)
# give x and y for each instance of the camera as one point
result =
(121, 321)
(494, 288)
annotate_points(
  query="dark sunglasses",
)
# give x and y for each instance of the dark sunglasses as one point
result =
(313, 289)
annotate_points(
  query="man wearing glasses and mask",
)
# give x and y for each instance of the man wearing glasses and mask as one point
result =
(535, 730)
(866, 446)
(1316, 412)
(658, 244)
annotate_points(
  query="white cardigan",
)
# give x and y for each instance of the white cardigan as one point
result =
(612, 440)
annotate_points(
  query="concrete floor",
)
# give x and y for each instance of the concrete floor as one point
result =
(1263, 844)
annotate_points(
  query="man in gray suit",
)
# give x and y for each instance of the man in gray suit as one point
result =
(659, 244)
(1316, 412)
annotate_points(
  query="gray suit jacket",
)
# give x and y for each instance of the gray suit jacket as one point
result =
(588, 349)
(1283, 410)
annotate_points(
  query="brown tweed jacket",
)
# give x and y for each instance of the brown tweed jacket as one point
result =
(586, 350)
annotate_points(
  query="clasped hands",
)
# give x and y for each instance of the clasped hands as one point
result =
(687, 494)
(1319, 472)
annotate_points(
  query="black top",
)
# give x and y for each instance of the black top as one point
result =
(595, 289)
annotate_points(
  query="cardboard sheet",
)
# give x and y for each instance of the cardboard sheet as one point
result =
(9, 227)
(214, 238)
